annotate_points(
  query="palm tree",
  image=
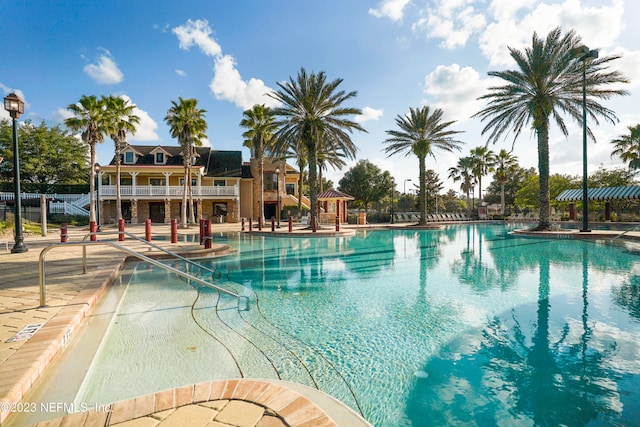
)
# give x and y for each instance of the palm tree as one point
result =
(89, 119)
(547, 83)
(628, 147)
(483, 162)
(505, 168)
(463, 172)
(260, 124)
(120, 119)
(420, 132)
(312, 115)
(186, 122)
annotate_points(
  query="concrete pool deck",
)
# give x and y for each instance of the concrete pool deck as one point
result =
(71, 295)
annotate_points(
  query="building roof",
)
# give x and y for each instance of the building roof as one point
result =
(602, 193)
(334, 194)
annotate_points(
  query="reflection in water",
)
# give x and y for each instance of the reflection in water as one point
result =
(548, 369)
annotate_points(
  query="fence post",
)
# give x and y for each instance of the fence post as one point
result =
(64, 232)
(242, 224)
(273, 224)
(337, 223)
(174, 230)
(92, 230)
(290, 224)
(201, 232)
(314, 224)
(147, 229)
(207, 238)
(121, 229)
(260, 223)
(250, 224)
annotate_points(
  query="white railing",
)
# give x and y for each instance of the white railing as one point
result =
(59, 197)
(67, 209)
(171, 191)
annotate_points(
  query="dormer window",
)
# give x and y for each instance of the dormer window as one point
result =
(129, 157)
(159, 158)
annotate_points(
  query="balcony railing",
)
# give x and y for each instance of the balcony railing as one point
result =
(170, 191)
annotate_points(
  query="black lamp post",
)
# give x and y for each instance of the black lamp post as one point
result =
(404, 193)
(473, 201)
(393, 187)
(278, 194)
(15, 106)
(96, 169)
(583, 53)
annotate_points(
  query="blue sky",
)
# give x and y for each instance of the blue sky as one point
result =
(396, 54)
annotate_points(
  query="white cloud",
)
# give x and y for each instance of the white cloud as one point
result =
(105, 71)
(147, 129)
(455, 90)
(368, 114)
(227, 83)
(392, 9)
(61, 114)
(628, 65)
(515, 21)
(452, 21)
(181, 73)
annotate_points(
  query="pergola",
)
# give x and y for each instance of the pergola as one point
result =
(334, 204)
(600, 194)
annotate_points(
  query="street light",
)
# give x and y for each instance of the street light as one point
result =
(404, 192)
(96, 169)
(15, 106)
(473, 201)
(278, 194)
(583, 53)
(393, 186)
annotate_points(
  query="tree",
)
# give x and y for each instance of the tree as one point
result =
(260, 124)
(505, 166)
(49, 156)
(527, 196)
(627, 147)
(548, 83)
(433, 186)
(90, 120)
(483, 161)
(420, 132)
(311, 116)
(463, 172)
(120, 119)
(187, 124)
(366, 183)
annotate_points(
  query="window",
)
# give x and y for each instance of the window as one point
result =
(157, 181)
(290, 188)
(128, 157)
(194, 182)
(126, 180)
(219, 182)
(159, 158)
(270, 181)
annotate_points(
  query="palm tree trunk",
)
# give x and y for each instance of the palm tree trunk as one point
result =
(192, 216)
(543, 169)
(118, 196)
(313, 180)
(183, 213)
(92, 183)
(423, 191)
(261, 184)
(502, 199)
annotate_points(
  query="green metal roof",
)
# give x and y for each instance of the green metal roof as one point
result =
(603, 193)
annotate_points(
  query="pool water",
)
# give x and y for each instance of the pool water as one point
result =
(467, 325)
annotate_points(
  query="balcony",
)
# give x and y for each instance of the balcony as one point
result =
(172, 191)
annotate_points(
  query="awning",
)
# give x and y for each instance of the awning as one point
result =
(600, 194)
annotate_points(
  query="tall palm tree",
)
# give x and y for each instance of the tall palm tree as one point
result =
(463, 172)
(627, 147)
(89, 119)
(420, 132)
(312, 115)
(120, 119)
(483, 162)
(261, 125)
(187, 124)
(505, 167)
(548, 83)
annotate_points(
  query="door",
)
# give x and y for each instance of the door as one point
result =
(156, 212)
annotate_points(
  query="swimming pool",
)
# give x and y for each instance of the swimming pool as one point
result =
(464, 325)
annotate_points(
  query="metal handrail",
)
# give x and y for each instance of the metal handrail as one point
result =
(42, 276)
(146, 242)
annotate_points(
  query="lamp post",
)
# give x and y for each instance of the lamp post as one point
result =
(278, 195)
(582, 53)
(473, 201)
(393, 186)
(15, 106)
(404, 193)
(96, 169)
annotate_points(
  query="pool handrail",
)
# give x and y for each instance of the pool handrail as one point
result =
(84, 244)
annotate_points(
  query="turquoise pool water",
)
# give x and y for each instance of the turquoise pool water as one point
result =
(467, 325)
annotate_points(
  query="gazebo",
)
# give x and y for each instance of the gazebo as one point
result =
(601, 194)
(333, 204)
